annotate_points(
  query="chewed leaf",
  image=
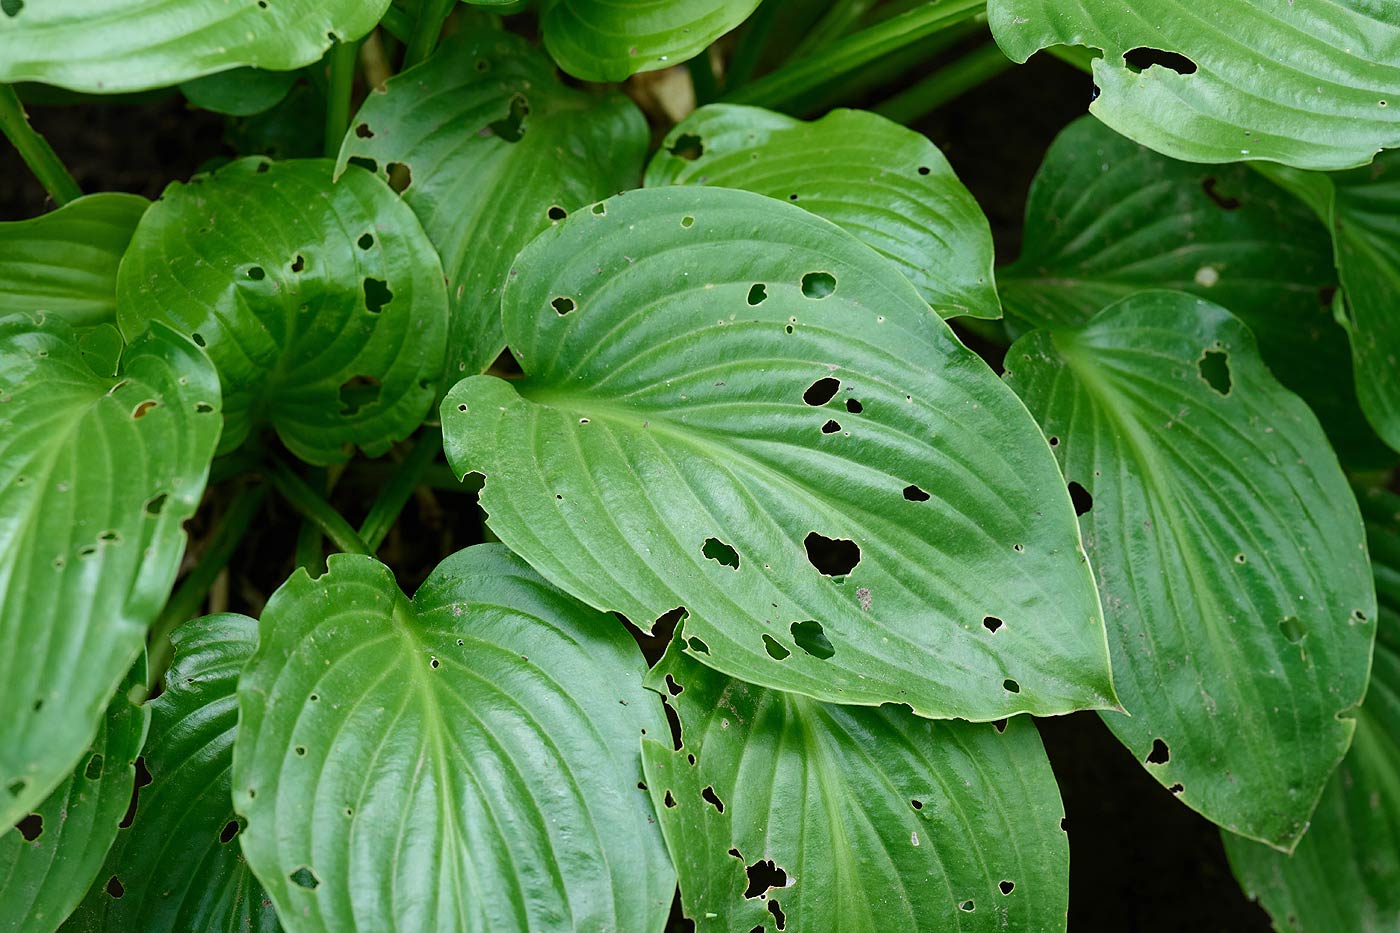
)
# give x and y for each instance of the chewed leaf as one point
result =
(675, 444)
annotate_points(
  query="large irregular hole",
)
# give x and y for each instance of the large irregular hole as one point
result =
(358, 393)
(1010, 686)
(1007, 887)
(764, 876)
(30, 827)
(563, 305)
(363, 131)
(915, 494)
(710, 797)
(831, 426)
(1142, 58)
(1160, 754)
(721, 553)
(758, 293)
(818, 285)
(93, 771)
(687, 146)
(822, 391)
(779, 917)
(1292, 629)
(992, 623)
(775, 649)
(511, 127)
(1214, 367)
(833, 557)
(366, 241)
(229, 831)
(556, 213)
(1083, 502)
(400, 176)
(377, 295)
(811, 638)
(114, 888)
(304, 877)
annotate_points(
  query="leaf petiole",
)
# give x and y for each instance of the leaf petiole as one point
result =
(35, 150)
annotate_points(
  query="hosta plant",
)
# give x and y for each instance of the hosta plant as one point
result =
(583, 465)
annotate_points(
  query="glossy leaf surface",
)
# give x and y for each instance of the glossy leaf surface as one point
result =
(886, 184)
(97, 475)
(321, 304)
(1309, 83)
(1228, 548)
(497, 150)
(466, 760)
(65, 262)
(734, 406)
(786, 813)
(607, 40)
(179, 866)
(1345, 874)
(241, 91)
(132, 45)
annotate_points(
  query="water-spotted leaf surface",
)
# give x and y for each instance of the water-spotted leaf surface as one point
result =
(240, 92)
(607, 40)
(132, 45)
(1345, 873)
(884, 183)
(495, 150)
(1228, 548)
(1107, 217)
(468, 759)
(1309, 83)
(734, 406)
(178, 866)
(97, 475)
(65, 262)
(785, 813)
(48, 861)
(322, 304)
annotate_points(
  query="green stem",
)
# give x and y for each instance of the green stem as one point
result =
(854, 51)
(309, 552)
(977, 66)
(397, 23)
(344, 59)
(394, 495)
(315, 508)
(35, 150)
(189, 598)
(432, 14)
(748, 52)
(839, 17)
(702, 78)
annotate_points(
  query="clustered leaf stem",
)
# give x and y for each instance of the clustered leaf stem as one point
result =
(35, 150)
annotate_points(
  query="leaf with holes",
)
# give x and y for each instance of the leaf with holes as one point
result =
(48, 861)
(1228, 549)
(888, 185)
(132, 45)
(495, 150)
(97, 476)
(1311, 83)
(1107, 218)
(785, 813)
(734, 406)
(1345, 874)
(321, 304)
(607, 40)
(178, 865)
(467, 759)
(65, 262)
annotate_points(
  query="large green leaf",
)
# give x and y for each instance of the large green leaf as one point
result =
(884, 183)
(65, 262)
(1311, 83)
(178, 866)
(785, 813)
(50, 859)
(1107, 218)
(1345, 874)
(1228, 548)
(467, 759)
(321, 304)
(496, 150)
(607, 40)
(131, 45)
(240, 92)
(729, 402)
(97, 474)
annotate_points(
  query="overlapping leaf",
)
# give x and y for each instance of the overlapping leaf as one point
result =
(468, 759)
(241, 91)
(1310, 83)
(48, 861)
(496, 149)
(734, 406)
(607, 40)
(1228, 549)
(97, 475)
(1345, 873)
(785, 813)
(179, 866)
(132, 45)
(884, 183)
(65, 262)
(321, 304)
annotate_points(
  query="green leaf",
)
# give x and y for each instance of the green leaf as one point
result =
(65, 262)
(97, 475)
(1228, 548)
(1345, 874)
(607, 40)
(1310, 83)
(133, 45)
(1107, 218)
(321, 304)
(785, 813)
(179, 866)
(718, 378)
(241, 91)
(467, 759)
(50, 859)
(497, 150)
(887, 185)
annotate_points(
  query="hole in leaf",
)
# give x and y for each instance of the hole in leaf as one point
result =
(698, 646)
(358, 393)
(1142, 58)
(710, 797)
(831, 427)
(1177, 788)
(377, 295)
(991, 623)
(140, 410)
(916, 804)
(832, 557)
(11, 8)
(822, 391)
(368, 165)
(366, 241)
(114, 887)
(198, 339)
(672, 687)
(1214, 367)
(154, 505)
(778, 916)
(1007, 887)
(687, 146)
(915, 494)
(1054, 442)
(1083, 502)
(1292, 629)
(203, 408)
(924, 170)
(228, 832)
(764, 876)
(1010, 686)
(818, 285)
(669, 801)
(363, 131)
(299, 263)
(721, 553)
(30, 827)
(304, 877)
(557, 213)
(999, 725)
(775, 650)
(93, 771)
(967, 906)
(256, 273)
(686, 222)
(811, 638)
(563, 305)
(1160, 754)
(17, 787)
(1221, 199)
(512, 126)
(400, 176)
(757, 294)
(143, 778)
(854, 406)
